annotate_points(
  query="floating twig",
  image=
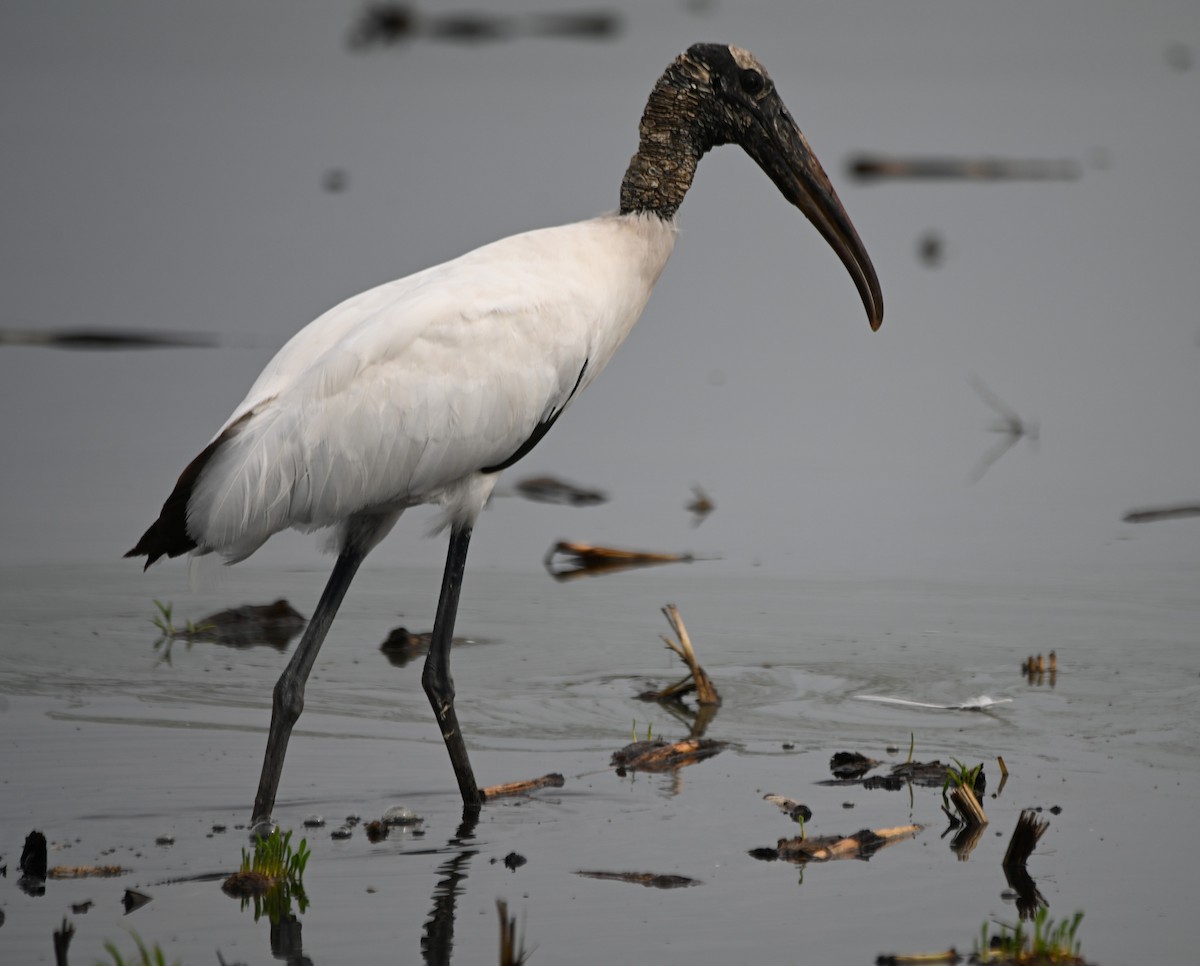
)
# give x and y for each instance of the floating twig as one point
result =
(697, 678)
(648, 879)
(508, 789)
(591, 561)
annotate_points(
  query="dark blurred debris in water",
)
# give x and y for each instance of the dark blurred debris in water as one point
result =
(133, 900)
(931, 774)
(931, 249)
(700, 506)
(1151, 514)
(850, 764)
(659, 755)
(273, 625)
(586, 560)
(1010, 426)
(106, 339)
(510, 789)
(388, 24)
(648, 879)
(33, 855)
(551, 489)
(1179, 57)
(825, 848)
(402, 645)
(335, 181)
(869, 168)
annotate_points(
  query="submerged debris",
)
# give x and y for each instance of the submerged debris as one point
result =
(591, 561)
(509, 789)
(659, 755)
(850, 764)
(648, 879)
(272, 624)
(85, 871)
(825, 848)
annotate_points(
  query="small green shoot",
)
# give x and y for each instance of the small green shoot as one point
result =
(271, 876)
(1051, 943)
(166, 626)
(145, 955)
(912, 744)
(958, 777)
(649, 729)
(274, 858)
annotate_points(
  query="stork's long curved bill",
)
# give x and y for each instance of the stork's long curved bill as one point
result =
(784, 154)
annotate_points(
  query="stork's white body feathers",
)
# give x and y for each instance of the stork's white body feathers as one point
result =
(422, 390)
(400, 395)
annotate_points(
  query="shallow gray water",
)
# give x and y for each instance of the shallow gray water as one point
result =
(105, 746)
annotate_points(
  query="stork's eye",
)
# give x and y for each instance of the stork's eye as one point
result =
(752, 82)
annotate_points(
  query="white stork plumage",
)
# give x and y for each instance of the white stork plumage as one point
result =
(422, 390)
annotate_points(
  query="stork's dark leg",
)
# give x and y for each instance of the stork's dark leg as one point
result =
(288, 701)
(436, 677)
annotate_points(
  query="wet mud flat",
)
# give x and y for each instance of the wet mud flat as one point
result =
(124, 759)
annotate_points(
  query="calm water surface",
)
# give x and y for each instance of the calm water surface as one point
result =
(104, 746)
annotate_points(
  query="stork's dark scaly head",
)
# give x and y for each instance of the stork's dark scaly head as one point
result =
(714, 94)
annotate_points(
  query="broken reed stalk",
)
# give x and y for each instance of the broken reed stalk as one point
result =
(706, 691)
(62, 940)
(968, 806)
(1024, 838)
(508, 789)
(512, 946)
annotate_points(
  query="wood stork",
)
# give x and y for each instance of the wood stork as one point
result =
(424, 389)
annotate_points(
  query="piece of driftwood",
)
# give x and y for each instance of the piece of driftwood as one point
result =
(697, 678)
(826, 848)
(916, 959)
(648, 879)
(586, 560)
(84, 871)
(553, 780)
(659, 755)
